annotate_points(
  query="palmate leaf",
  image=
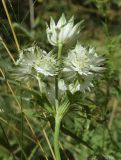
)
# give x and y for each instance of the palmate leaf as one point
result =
(78, 103)
(81, 105)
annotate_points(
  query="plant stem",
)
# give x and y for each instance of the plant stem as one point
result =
(57, 76)
(56, 138)
(57, 119)
(59, 53)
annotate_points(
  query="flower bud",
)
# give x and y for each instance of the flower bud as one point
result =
(63, 32)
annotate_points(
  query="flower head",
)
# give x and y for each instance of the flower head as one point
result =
(34, 60)
(83, 61)
(63, 32)
(80, 66)
(46, 65)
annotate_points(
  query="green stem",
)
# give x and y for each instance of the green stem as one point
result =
(57, 119)
(59, 53)
(57, 76)
(56, 138)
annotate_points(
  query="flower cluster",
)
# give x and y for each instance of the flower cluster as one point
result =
(58, 74)
(79, 66)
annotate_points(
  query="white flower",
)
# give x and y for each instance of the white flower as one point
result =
(63, 32)
(80, 66)
(46, 65)
(61, 85)
(80, 84)
(34, 60)
(83, 61)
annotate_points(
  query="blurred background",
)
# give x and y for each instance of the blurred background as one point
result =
(24, 132)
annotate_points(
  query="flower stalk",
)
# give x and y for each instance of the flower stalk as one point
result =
(57, 119)
(56, 137)
(59, 53)
(57, 76)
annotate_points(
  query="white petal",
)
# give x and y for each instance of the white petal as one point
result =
(52, 23)
(51, 41)
(62, 21)
(65, 31)
(75, 30)
(62, 85)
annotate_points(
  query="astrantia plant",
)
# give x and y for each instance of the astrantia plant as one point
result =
(65, 73)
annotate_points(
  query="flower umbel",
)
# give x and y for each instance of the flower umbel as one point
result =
(33, 61)
(46, 65)
(83, 61)
(80, 66)
(63, 32)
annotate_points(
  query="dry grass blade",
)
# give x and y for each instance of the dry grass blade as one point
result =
(9, 53)
(13, 128)
(35, 137)
(46, 137)
(10, 23)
